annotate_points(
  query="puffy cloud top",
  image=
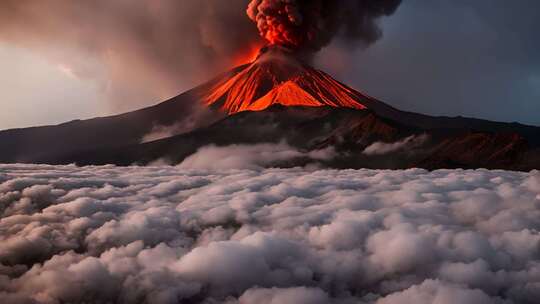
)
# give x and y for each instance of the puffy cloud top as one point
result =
(170, 235)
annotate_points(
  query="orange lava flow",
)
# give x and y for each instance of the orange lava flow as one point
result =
(257, 87)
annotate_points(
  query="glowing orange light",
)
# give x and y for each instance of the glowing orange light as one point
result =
(248, 90)
(248, 55)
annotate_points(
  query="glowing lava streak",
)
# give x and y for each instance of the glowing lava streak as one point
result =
(278, 78)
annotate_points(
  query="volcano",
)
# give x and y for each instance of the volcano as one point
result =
(279, 97)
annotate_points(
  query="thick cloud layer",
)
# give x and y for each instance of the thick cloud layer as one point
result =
(167, 235)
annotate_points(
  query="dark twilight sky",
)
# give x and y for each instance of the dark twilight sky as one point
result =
(476, 58)
(63, 61)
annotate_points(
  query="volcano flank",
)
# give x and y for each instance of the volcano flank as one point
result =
(278, 98)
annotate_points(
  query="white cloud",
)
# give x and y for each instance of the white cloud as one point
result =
(249, 156)
(169, 234)
(380, 148)
(299, 295)
(436, 292)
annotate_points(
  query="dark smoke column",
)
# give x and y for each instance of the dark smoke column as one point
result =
(312, 24)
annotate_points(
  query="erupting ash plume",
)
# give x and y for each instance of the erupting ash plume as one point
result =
(311, 25)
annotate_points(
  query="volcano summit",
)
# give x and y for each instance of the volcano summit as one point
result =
(277, 76)
(279, 98)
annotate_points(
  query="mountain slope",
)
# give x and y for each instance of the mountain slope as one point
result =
(274, 98)
(349, 131)
(43, 144)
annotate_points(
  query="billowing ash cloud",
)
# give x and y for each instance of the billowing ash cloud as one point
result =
(139, 51)
(311, 25)
(170, 235)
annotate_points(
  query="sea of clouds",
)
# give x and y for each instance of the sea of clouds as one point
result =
(168, 234)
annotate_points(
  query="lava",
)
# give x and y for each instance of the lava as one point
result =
(278, 77)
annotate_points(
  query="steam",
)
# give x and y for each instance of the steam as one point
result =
(311, 25)
(196, 116)
(380, 148)
(250, 156)
(107, 234)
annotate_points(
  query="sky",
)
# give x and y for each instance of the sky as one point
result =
(470, 58)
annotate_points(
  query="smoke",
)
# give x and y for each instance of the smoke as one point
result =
(250, 156)
(196, 116)
(408, 143)
(139, 52)
(107, 234)
(311, 25)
